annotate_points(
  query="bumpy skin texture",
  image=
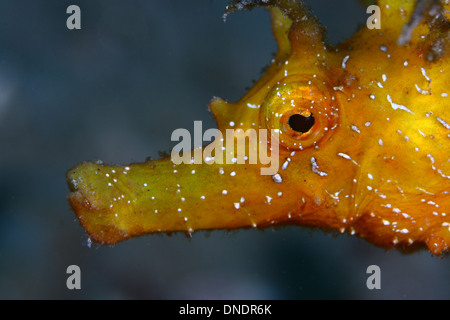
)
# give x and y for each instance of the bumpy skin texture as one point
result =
(375, 164)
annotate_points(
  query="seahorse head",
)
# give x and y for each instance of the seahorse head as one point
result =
(361, 142)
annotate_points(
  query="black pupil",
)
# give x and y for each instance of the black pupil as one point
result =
(299, 123)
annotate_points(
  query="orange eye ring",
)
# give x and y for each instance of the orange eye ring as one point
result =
(303, 112)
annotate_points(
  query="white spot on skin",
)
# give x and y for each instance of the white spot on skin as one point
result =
(424, 73)
(383, 48)
(355, 128)
(253, 106)
(237, 205)
(315, 168)
(344, 62)
(445, 124)
(335, 195)
(346, 156)
(397, 106)
(421, 91)
(277, 178)
(343, 155)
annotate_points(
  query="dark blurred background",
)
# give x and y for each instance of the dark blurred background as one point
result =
(115, 90)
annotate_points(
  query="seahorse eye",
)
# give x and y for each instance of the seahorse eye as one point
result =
(303, 111)
(301, 123)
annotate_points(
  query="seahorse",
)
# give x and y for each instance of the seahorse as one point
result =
(362, 133)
